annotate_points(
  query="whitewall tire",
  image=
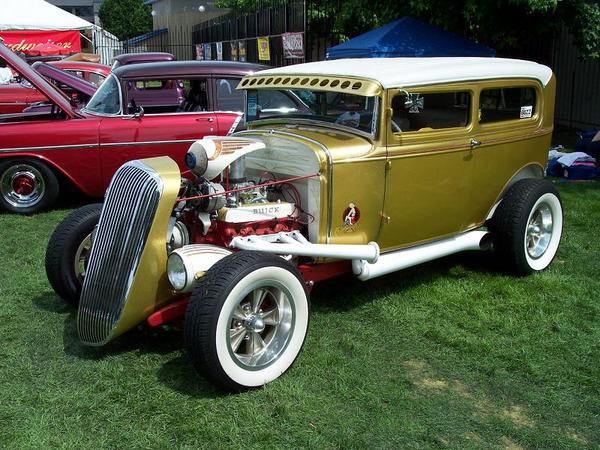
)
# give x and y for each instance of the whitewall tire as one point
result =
(247, 320)
(527, 226)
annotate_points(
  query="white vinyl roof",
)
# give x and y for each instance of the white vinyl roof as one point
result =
(405, 72)
(38, 15)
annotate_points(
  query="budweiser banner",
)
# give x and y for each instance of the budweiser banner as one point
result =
(219, 51)
(293, 45)
(234, 50)
(27, 41)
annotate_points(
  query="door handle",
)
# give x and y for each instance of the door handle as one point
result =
(210, 119)
(474, 143)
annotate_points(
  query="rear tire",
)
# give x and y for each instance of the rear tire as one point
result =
(247, 320)
(68, 250)
(527, 226)
(27, 186)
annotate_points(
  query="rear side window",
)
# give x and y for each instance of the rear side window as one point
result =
(498, 105)
(228, 98)
(431, 111)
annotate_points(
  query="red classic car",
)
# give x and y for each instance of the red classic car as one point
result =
(94, 73)
(136, 58)
(16, 96)
(40, 152)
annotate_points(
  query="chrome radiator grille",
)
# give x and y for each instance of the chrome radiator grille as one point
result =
(129, 208)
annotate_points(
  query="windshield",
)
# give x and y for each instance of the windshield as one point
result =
(107, 99)
(349, 110)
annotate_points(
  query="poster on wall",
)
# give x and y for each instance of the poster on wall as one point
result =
(234, 50)
(199, 51)
(242, 52)
(27, 41)
(207, 51)
(263, 49)
(293, 45)
(219, 51)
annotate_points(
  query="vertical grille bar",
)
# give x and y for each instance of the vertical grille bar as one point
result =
(127, 215)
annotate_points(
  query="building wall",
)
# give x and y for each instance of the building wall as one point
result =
(86, 9)
(182, 13)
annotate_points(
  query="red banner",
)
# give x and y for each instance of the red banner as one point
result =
(27, 41)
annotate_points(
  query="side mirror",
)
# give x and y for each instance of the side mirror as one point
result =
(134, 111)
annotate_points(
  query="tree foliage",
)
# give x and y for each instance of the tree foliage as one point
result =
(501, 24)
(125, 18)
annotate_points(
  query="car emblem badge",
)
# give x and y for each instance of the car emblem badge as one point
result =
(350, 218)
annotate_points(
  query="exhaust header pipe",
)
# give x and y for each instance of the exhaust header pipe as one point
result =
(293, 243)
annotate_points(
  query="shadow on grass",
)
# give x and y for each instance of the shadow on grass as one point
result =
(347, 292)
(179, 375)
(50, 302)
(141, 340)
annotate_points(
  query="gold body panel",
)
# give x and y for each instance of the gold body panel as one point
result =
(150, 287)
(414, 187)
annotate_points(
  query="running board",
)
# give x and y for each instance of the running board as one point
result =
(402, 259)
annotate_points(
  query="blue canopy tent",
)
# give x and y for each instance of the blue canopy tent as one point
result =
(407, 37)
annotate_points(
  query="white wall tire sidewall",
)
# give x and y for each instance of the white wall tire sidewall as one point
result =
(557, 223)
(254, 378)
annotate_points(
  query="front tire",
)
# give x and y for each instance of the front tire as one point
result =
(527, 226)
(247, 320)
(68, 251)
(27, 186)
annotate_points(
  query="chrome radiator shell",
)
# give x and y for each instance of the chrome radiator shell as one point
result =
(125, 278)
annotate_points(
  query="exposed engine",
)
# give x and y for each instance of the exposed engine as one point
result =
(232, 195)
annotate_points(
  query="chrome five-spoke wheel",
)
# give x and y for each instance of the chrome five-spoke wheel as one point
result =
(246, 320)
(527, 226)
(81, 257)
(260, 326)
(539, 231)
(69, 250)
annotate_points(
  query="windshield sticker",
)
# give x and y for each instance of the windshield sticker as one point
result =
(526, 112)
(252, 104)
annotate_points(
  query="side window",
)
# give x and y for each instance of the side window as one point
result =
(431, 111)
(497, 105)
(77, 73)
(166, 95)
(228, 98)
(96, 79)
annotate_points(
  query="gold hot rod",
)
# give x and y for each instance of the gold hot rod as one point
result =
(347, 166)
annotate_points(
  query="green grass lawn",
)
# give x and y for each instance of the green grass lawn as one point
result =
(452, 354)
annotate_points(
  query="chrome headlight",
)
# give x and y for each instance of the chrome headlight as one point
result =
(190, 262)
(176, 272)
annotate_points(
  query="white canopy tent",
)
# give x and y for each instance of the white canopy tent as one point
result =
(38, 15)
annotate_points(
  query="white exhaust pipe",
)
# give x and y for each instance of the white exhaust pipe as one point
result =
(401, 259)
(293, 243)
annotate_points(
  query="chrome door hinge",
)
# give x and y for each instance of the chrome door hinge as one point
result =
(385, 219)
